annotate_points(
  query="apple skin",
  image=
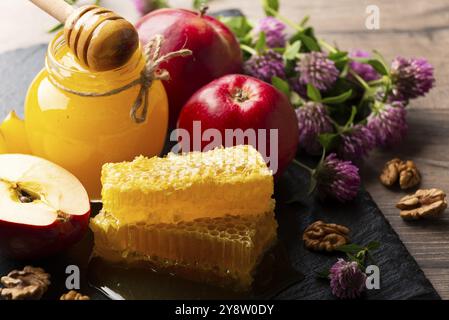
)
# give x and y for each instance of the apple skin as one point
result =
(21, 241)
(265, 107)
(215, 51)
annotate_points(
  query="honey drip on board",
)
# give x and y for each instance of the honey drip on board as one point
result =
(273, 275)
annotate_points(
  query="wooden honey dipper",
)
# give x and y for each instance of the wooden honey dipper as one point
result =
(99, 38)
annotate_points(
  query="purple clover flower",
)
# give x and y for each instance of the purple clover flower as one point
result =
(298, 87)
(347, 281)
(315, 68)
(142, 6)
(313, 120)
(389, 124)
(364, 70)
(357, 143)
(412, 78)
(265, 66)
(337, 179)
(274, 32)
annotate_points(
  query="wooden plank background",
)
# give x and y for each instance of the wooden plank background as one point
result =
(412, 28)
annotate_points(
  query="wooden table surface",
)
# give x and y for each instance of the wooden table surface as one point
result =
(411, 28)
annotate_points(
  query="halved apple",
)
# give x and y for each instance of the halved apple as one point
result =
(43, 208)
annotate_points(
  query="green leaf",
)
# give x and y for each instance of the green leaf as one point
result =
(281, 85)
(338, 99)
(271, 7)
(374, 245)
(240, 26)
(295, 99)
(328, 140)
(309, 42)
(308, 39)
(381, 58)
(378, 66)
(261, 42)
(292, 50)
(197, 4)
(350, 249)
(344, 70)
(324, 274)
(313, 93)
(339, 55)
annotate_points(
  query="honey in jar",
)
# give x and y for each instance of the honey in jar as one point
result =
(82, 133)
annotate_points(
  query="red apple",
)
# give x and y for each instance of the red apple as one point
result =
(216, 51)
(43, 208)
(242, 102)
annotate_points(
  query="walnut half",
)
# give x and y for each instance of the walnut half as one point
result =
(405, 172)
(409, 175)
(424, 203)
(320, 236)
(27, 284)
(390, 173)
(73, 295)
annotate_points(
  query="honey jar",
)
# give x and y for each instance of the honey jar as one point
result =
(81, 133)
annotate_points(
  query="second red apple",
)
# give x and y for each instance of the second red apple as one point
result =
(216, 51)
(242, 102)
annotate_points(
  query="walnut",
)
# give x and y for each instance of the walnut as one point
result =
(390, 173)
(320, 236)
(409, 175)
(424, 203)
(27, 284)
(73, 295)
(405, 172)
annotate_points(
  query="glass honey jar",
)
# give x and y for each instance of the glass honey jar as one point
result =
(82, 133)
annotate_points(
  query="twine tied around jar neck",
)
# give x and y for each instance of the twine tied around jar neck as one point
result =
(151, 72)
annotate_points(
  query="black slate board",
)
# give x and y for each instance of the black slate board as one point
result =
(401, 277)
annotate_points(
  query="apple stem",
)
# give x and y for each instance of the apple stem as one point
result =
(240, 95)
(203, 10)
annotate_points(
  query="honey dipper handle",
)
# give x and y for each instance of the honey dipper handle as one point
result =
(58, 9)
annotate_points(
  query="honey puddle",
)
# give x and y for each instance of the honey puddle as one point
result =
(273, 275)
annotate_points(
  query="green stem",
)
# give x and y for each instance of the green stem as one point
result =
(293, 25)
(328, 46)
(359, 79)
(284, 19)
(377, 82)
(310, 170)
(248, 49)
(337, 127)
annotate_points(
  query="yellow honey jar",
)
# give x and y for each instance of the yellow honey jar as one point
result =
(81, 133)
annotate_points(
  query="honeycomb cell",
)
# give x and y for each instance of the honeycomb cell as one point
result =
(228, 257)
(220, 182)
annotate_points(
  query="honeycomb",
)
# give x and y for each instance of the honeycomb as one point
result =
(223, 181)
(223, 250)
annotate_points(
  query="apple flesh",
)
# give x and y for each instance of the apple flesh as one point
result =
(216, 51)
(44, 209)
(243, 102)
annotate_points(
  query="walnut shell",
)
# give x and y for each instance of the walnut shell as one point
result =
(74, 295)
(320, 236)
(424, 203)
(404, 172)
(27, 284)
